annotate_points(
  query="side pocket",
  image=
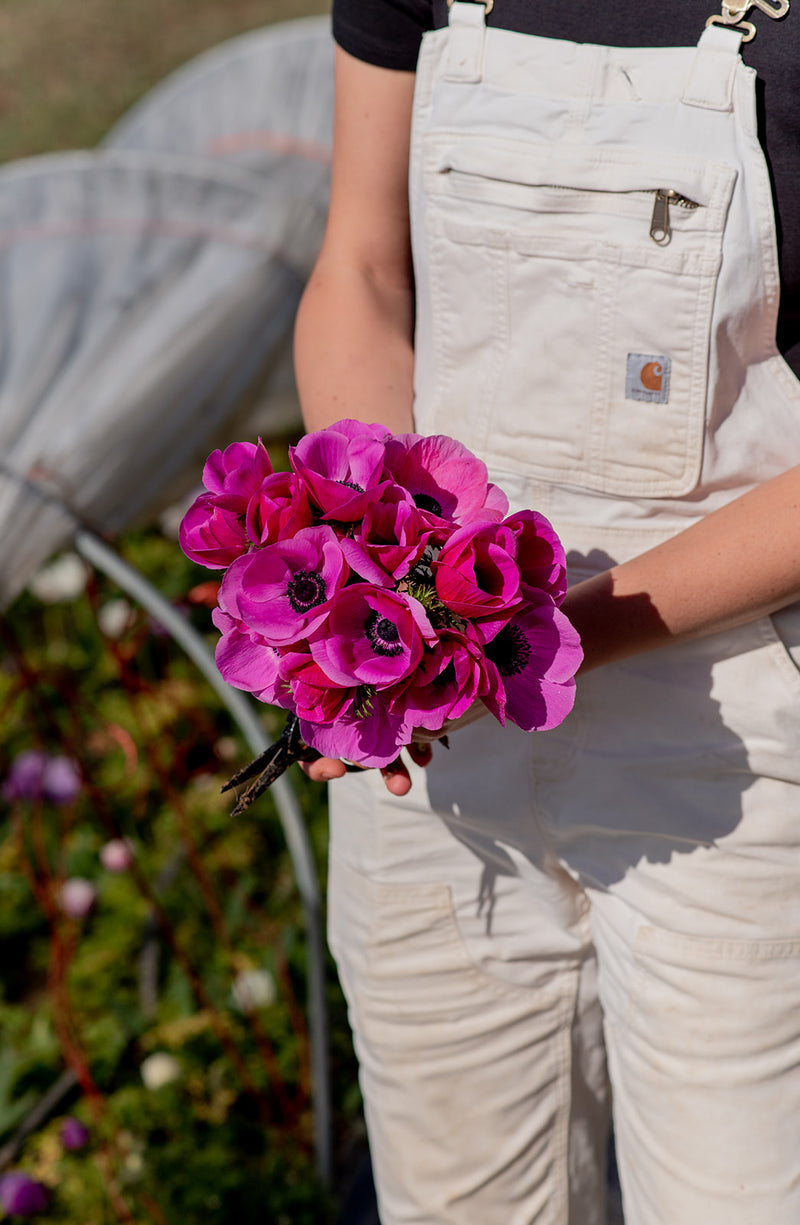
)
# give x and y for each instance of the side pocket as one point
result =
(712, 995)
(402, 945)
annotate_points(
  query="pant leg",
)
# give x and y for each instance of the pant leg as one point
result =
(703, 1039)
(471, 985)
(685, 829)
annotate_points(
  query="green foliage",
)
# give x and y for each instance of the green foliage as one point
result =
(151, 970)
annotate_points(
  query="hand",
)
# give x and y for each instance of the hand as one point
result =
(395, 775)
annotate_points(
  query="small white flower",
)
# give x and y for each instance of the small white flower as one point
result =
(132, 1167)
(253, 989)
(159, 1069)
(62, 579)
(114, 617)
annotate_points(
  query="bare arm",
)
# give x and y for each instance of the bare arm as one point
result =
(354, 332)
(738, 564)
(353, 338)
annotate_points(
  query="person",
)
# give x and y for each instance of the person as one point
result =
(533, 930)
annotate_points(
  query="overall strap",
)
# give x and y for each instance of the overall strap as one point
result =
(464, 56)
(710, 81)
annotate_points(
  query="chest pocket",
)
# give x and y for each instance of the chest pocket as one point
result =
(569, 343)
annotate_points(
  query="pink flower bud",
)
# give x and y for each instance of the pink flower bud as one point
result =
(117, 855)
(77, 897)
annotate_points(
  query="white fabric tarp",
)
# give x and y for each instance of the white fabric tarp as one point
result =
(263, 101)
(148, 289)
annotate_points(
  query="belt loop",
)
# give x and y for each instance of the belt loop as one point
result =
(710, 81)
(464, 55)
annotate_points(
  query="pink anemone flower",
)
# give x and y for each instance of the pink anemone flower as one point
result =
(342, 468)
(446, 481)
(314, 695)
(476, 572)
(238, 470)
(281, 592)
(211, 534)
(391, 539)
(448, 680)
(246, 661)
(540, 554)
(372, 637)
(278, 509)
(531, 664)
(371, 738)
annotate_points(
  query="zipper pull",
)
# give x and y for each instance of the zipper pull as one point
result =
(660, 229)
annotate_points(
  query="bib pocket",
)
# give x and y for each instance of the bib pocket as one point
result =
(570, 343)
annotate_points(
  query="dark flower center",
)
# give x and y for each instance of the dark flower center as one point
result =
(383, 635)
(351, 485)
(424, 501)
(509, 650)
(306, 589)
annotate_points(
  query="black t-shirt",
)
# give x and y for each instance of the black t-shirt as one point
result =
(388, 32)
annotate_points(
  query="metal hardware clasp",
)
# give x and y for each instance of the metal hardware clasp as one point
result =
(734, 12)
(489, 5)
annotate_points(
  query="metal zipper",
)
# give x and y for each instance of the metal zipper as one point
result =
(660, 228)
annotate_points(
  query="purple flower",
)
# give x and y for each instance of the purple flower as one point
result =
(35, 776)
(391, 539)
(62, 781)
(531, 663)
(372, 637)
(246, 661)
(73, 1134)
(238, 470)
(446, 481)
(77, 897)
(476, 572)
(21, 1195)
(342, 468)
(540, 554)
(281, 592)
(278, 509)
(25, 780)
(211, 534)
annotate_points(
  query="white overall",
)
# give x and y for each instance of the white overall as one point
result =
(618, 898)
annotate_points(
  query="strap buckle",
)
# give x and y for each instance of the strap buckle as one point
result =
(734, 12)
(489, 5)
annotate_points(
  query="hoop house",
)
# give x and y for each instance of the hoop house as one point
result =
(148, 290)
(147, 295)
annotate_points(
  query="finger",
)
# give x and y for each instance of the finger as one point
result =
(396, 777)
(324, 770)
(421, 754)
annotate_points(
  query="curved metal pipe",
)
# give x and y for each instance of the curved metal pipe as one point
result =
(100, 555)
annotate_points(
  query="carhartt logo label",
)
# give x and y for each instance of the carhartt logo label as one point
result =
(647, 377)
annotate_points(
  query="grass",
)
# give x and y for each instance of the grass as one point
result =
(70, 68)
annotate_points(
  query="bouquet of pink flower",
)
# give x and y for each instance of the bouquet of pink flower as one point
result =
(381, 586)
